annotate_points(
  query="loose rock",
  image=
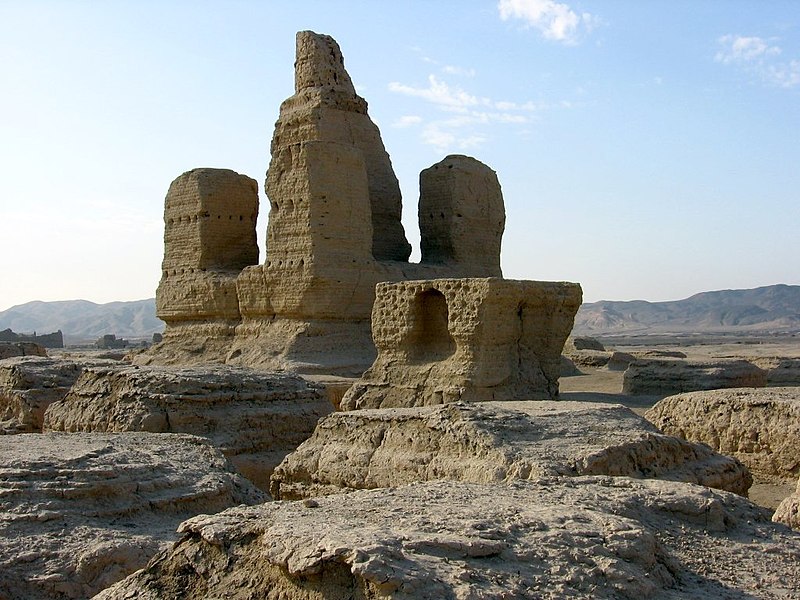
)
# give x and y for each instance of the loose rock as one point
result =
(788, 512)
(28, 385)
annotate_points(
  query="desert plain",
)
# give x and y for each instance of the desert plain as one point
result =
(605, 385)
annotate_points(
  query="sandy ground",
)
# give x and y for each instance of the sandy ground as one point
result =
(601, 385)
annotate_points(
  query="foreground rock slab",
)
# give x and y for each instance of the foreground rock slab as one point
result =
(255, 418)
(760, 427)
(81, 511)
(586, 537)
(668, 376)
(492, 442)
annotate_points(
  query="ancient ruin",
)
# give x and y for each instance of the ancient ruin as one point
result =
(471, 339)
(47, 340)
(334, 232)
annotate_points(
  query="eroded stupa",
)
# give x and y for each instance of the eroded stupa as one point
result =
(334, 233)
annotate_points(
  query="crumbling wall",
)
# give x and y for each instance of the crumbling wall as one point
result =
(461, 215)
(334, 233)
(209, 237)
(474, 339)
(46, 340)
(325, 107)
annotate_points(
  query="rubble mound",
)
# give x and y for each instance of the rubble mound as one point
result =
(491, 442)
(589, 537)
(760, 427)
(673, 376)
(255, 418)
(79, 512)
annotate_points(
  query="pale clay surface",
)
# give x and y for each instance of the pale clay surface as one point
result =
(493, 442)
(583, 537)
(81, 511)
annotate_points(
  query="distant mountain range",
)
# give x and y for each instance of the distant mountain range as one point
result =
(81, 320)
(775, 308)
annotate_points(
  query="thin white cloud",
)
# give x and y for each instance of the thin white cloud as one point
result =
(554, 20)
(445, 141)
(469, 113)
(472, 141)
(444, 68)
(441, 140)
(760, 58)
(439, 93)
(454, 70)
(737, 48)
(785, 74)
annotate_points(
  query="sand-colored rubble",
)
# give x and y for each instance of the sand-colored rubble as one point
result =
(760, 427)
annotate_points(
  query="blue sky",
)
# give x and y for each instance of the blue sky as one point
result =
(648, 150)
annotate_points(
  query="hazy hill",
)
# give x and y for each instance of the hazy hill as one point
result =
(81, 320)
(774, 308)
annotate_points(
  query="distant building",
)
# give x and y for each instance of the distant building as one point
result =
(48, 340)
(109, 341)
